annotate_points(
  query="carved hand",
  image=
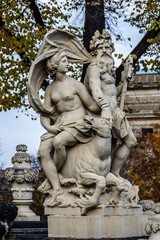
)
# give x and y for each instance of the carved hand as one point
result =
(103, 103)
(54, 129)
(124, 76)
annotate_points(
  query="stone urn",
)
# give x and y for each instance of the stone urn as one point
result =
(22, 177)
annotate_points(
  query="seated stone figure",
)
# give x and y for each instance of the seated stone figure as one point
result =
(70, 99)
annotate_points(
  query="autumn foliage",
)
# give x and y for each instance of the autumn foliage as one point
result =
(5, 189)
(23, 24)
(143, 167)
(38, 197)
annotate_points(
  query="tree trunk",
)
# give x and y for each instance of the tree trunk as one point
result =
(94, 20)
(36, 13)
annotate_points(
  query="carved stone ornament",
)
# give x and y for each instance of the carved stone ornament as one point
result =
(157, 208)
(153, 227)
(9, 174)
(22, 177)
(27, 174)
(21, 155)
(81, 119)
(22, 193)
(31, 175)
(148, 206)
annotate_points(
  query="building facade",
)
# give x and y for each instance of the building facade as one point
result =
(142, 103)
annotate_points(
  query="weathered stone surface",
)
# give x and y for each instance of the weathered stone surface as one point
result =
(97, 227)
(99, 211)
(153, 227)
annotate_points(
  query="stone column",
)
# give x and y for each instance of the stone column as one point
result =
(22, 177)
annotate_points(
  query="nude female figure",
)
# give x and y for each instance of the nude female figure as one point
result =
(70, 99)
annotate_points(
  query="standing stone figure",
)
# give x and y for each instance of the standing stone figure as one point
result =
(75, 153)
(100, 81)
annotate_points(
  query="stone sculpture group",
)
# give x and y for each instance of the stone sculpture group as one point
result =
(83, 121)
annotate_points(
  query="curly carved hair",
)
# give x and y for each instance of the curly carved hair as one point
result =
(101, 40)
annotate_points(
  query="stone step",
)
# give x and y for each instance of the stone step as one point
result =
(29, 230)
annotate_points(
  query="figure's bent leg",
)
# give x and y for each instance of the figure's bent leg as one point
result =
(87, 179)
(122, 152)
(49, 167)
(61, 141)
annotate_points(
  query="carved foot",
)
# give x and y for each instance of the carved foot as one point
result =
(55, 194)
(112, 180)
(45, 187)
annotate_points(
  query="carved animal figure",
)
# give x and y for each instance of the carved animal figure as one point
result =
(90, 163)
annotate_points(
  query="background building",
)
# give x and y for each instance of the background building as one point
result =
(142, 103)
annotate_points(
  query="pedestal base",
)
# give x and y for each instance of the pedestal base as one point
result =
(106, 222)
(96, 227)
(98, 211)
(24, 211)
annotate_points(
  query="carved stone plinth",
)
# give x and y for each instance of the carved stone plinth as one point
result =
(96, 227)
(101, 222)
(98, 211)
(22, 177)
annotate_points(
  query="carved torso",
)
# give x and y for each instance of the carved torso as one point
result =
(108, 86)
(67, 102)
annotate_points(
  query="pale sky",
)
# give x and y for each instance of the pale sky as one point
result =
(23, 130)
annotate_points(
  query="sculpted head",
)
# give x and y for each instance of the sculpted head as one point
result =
(102, 48)
(57, 62)
(101, 43)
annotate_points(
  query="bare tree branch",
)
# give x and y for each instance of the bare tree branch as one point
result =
(139, 50)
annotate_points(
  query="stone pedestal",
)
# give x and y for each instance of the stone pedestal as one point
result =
(98, 211)
(22, 177)
(106, 222)
(96, 227)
